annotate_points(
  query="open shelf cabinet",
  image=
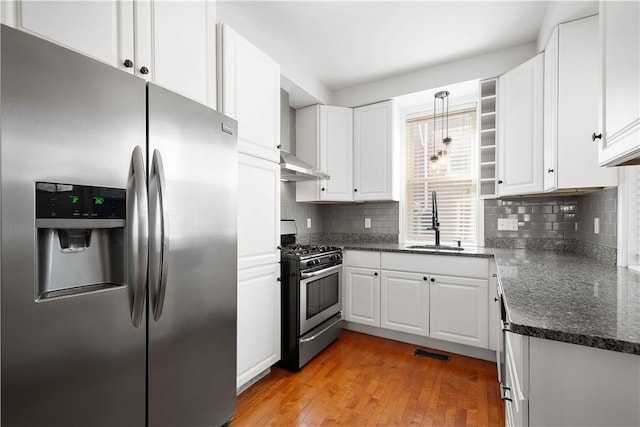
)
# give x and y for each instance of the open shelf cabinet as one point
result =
(488, 124)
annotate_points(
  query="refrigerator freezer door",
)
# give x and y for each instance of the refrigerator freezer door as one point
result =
(192, 344)
(74, 360)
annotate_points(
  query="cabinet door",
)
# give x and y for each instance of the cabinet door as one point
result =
(551, 62)
(362, 291)
(404, 302)
(258, 211)
(336, 153)
(620, 44)
(249, 91)
(373, 152)
(258, 321)
(175, 40)
(577, 110)
(100, 29)
(520, 142)
(459, 310)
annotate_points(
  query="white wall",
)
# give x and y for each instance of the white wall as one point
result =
(558, 12)
(312, 91)
(478, 67)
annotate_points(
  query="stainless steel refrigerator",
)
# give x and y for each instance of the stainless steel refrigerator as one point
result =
(118, 246)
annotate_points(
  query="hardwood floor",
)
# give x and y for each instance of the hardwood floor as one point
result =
(362, 380)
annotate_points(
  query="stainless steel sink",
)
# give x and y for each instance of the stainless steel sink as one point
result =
(437, 247)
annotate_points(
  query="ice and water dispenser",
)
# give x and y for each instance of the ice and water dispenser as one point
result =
(80, 239)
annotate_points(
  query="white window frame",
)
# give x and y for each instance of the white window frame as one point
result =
(426, 111)
(628, 217)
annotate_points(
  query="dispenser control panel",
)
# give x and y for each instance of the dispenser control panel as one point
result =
(71, 201)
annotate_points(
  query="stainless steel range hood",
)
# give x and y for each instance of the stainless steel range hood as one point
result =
(294, 169)
(291, 167)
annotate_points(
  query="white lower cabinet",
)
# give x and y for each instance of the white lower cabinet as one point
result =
(258, 321)
(414, 293)
(362, 295)
(405, 302)
(459, 310)
(258, 266)
(552, 383)
(574, 385)
(515, 384)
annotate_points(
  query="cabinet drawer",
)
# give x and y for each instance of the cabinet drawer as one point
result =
(435, 264)
(363, 259)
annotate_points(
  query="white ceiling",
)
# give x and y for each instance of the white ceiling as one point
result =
(347, 43)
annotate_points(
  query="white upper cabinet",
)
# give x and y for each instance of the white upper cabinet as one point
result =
(249, 91)
(181, 50)
(620, 102)
(101, 29)
(373, 152)
(324, 139)
(520, 128)
(551, 69)
(571, 109)
(354, 146)
(168, 42)
(336, 153)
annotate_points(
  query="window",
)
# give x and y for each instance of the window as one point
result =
(629, 211)
(454, 184)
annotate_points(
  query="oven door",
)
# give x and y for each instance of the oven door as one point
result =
(320, 296)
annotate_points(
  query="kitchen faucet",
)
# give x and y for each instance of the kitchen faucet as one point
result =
(435, 224)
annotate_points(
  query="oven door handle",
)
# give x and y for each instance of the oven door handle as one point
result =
(311, 338)
(321, 272)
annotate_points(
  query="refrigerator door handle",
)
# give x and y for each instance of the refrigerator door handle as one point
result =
(137, 234)
(157, 172)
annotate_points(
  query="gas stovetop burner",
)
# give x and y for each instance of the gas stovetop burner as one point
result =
(302, 250)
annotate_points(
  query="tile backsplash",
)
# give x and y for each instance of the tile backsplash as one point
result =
(290, 209)
(538, 218)
(557, 223)
(340, 222)
(604, 206)
(349, 218)
(562, 223)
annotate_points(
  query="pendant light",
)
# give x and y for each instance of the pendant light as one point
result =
(439, 158)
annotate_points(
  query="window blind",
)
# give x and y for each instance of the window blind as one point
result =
(455, 184)
(634, 220)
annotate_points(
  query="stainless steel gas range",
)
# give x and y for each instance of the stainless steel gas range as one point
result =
(311, 300)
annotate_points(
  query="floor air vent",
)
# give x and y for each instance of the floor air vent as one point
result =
(441, 357)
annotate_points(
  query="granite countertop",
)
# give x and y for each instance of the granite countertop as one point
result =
(558, 296)
(571, 298)
(469, 251)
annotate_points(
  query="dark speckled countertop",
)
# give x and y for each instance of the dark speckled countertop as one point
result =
(558, 296)
(469, 251)
(571, 298)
